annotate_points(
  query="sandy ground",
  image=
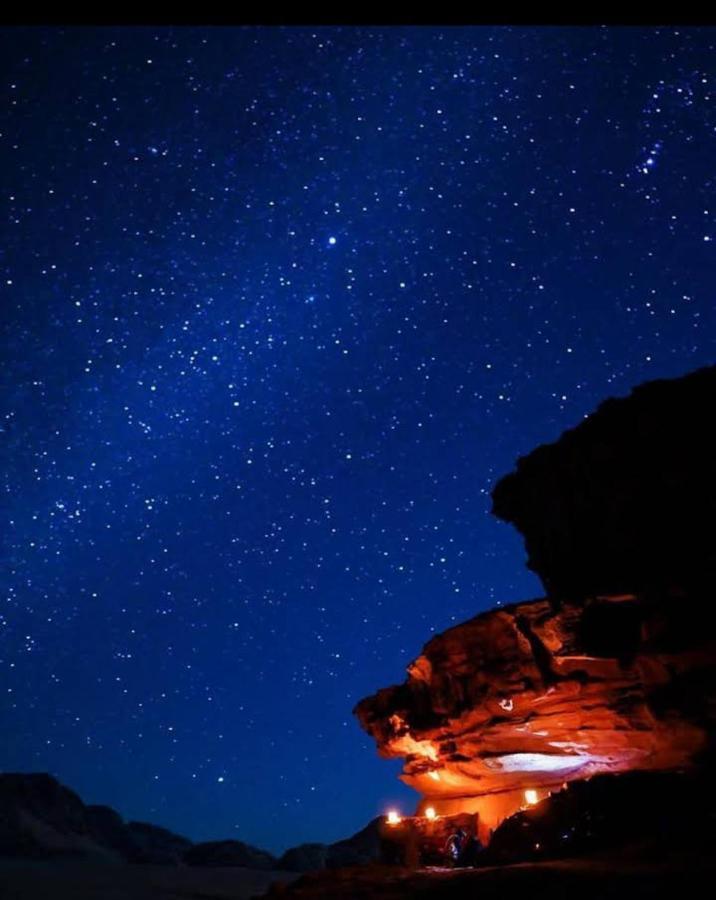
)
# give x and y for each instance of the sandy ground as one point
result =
(603, 877)
(21, 880)
(598, 878)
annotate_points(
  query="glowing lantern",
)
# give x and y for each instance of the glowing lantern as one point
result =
(430, 813)
(531, 797)
(393, 817)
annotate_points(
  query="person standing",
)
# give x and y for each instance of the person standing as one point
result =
(454, 846)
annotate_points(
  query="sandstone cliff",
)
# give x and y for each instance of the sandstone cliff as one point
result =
(615, 670)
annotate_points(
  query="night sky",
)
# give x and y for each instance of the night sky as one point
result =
(279, 306)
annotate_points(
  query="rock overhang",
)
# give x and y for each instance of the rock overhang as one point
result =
(610, 672)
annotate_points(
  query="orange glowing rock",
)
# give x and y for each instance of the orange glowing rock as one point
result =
(615, 670)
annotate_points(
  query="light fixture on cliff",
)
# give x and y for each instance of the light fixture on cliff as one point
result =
(531, 797)
(393, 817)
(430, 813)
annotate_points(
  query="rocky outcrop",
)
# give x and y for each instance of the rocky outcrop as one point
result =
(157, 846)
(229, 853)
(527, 697)
(110, 831)
(615, 670)
(304, 858)
(618, 504)
(363, 847)
(661, 811)
(42, 819)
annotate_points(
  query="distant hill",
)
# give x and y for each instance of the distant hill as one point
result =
(361, 848)
(42, 819)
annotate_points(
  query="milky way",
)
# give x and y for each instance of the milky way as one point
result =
(278, 308)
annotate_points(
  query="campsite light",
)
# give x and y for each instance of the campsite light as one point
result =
(430, 813)
(393, 817)
(531, 797)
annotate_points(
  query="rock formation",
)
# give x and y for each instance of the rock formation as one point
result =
(155, 845)
(660, 812)
(363, 847)
(229, 853)
(624, 502)
(42, 819)
(615, 670)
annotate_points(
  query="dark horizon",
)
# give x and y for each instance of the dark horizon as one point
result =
(280, 306)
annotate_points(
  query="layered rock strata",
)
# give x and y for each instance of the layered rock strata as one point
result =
(615, 670)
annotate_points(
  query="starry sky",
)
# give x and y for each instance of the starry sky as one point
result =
(279, 306)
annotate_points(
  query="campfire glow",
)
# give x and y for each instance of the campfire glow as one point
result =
(393, 817)
(430, 813)
(531, 797)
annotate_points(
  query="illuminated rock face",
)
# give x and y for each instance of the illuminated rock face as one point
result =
(527, 697)
(594, 681)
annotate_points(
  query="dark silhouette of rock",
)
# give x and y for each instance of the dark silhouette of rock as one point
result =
(229, 853)
(363, 847)
(110, 830)
(156, 845)
(618, 504)
(665, 812)
(42, 819)
(616, 670)
(304, 858)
